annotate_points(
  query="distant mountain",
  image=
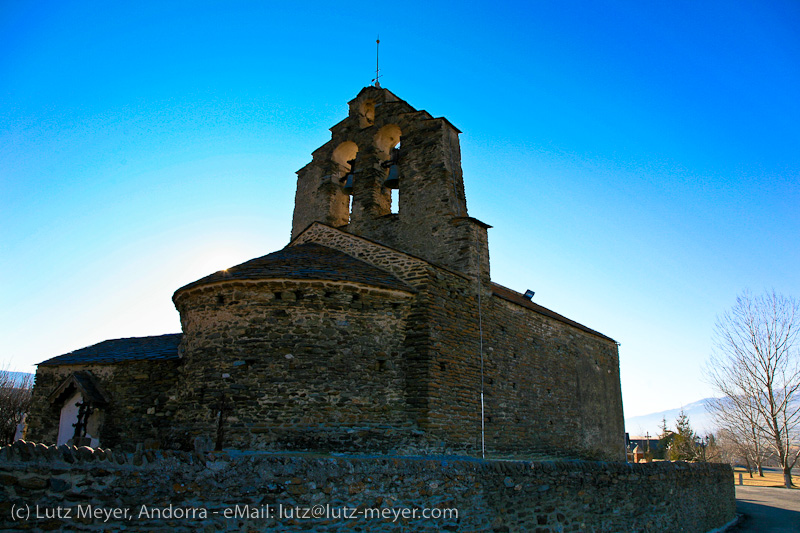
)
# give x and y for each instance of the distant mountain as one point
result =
(17, 377)
(699, 418)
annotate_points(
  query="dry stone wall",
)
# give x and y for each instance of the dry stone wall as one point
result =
(68, 489)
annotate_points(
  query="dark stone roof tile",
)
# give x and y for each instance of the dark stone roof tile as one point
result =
(308, 261)
(158, 348)
(83, 382)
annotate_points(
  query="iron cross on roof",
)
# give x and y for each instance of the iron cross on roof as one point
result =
(377, 62)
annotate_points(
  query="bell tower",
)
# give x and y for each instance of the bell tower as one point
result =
(386, 144)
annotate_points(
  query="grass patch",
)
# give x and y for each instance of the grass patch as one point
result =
(770, 479)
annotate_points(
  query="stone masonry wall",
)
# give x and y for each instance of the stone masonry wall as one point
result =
(432, 220)
(49, 488)
(551, 388)
(452, 356)
(294, 366)
(137, 393)
(410, 269)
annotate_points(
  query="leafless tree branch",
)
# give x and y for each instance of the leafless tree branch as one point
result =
(755, 365)
(15, 398)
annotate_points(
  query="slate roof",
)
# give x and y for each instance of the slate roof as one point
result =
(513, 296)
(158, 348)
(308, 261)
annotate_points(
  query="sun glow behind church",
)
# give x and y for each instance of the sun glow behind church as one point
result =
(219, 259)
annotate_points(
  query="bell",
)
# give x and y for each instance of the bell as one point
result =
(348, 183)
(393, 179)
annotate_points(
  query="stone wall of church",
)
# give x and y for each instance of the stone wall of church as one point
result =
(294, 366)
(331, 366)
(450, 353)
(137, 392)
(432, 220)
(551, 388)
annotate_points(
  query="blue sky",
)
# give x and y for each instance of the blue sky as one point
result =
(640, 162)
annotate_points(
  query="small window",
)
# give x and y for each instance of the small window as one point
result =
(366, 114)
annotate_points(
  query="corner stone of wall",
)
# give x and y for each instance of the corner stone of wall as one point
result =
(84, 489)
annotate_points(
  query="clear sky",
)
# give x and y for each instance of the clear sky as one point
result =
(639, 161)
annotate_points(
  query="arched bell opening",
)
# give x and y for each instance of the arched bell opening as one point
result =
(387, 141)
(393, 181)
(387, 138)
(366, 113)
(344, 155)
(344, 159)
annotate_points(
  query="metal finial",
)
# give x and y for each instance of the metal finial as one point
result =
(377, 62)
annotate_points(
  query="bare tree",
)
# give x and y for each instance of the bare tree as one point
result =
(713, 450)
(738, 422)
(732, 450)
(756, 366)
(15, 398)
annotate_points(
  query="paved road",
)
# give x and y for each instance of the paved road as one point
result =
(768, 510)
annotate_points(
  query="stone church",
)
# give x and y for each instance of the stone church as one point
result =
(377, 329)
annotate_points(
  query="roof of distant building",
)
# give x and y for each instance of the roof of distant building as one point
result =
(307, 261)
(160, 347)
